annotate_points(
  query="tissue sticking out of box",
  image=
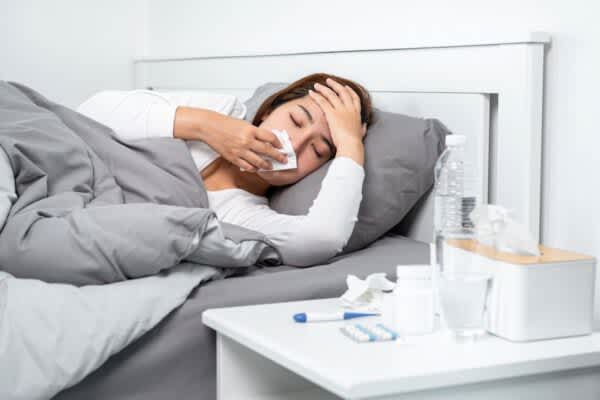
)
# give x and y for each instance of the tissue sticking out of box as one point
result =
(366, 294)
(496, 228)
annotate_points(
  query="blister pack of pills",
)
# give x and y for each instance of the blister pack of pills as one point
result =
(362, 333)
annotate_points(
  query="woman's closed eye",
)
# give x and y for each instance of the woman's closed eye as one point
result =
(319, 155)
(294, 121)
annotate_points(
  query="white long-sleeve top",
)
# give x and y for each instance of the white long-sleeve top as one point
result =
(301, 239)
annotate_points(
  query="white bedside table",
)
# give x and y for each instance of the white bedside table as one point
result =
(263, 354)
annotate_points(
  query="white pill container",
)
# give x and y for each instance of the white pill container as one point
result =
(413, 300)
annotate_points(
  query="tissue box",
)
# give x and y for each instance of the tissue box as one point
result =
(531, 297)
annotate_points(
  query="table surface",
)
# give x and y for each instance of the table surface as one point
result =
(320, 353)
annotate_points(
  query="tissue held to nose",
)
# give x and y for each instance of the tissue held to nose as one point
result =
(287, 149)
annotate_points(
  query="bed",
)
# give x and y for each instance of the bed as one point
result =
(488, 89)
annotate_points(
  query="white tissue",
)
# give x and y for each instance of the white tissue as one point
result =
(287, 149)
(366, 294)
(495, 227)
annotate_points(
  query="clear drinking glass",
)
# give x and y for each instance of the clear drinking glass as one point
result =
(463, 296)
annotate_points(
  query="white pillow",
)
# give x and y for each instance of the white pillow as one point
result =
(7, 187)
(53, 335)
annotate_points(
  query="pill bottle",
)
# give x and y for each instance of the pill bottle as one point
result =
(413, 300)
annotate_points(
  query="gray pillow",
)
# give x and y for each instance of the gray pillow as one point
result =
(400, 154)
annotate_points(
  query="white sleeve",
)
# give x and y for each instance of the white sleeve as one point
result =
(141, 114)
(137, 114)
(322, 233)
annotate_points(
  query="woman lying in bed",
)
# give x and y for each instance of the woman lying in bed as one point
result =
(325, 116)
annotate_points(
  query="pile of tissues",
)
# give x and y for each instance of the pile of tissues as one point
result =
(366, 294)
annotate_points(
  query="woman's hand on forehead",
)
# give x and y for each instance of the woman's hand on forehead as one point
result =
(341, 106)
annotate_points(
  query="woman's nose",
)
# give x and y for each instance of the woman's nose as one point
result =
(299, 140)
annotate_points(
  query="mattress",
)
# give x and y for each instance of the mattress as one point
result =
(178, 358)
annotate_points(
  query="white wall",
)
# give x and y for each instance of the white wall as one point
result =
(69, 49)
(571, 188)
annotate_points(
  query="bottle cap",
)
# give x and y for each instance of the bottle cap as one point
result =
(413, 272)
(455, 140)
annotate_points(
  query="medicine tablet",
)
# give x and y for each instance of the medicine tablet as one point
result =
(364, 333)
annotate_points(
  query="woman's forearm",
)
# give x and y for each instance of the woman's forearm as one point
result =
(236, 140)
(194, 124)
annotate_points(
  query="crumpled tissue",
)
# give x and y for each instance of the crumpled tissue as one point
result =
(366, 294)
(286, 149)
(496, 228)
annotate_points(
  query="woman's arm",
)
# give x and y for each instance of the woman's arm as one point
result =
(132, 115)
(142, 114)
(324, 231)
(236, 140)
(317, 236)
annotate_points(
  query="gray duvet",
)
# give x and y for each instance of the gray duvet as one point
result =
(93, 209)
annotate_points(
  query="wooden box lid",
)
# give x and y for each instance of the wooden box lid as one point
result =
(547, 254)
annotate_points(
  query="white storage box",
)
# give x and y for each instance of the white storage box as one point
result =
(532, 297)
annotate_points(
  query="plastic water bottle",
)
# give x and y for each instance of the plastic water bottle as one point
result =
(452, 204)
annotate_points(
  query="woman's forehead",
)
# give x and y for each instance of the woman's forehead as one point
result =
(316, 113)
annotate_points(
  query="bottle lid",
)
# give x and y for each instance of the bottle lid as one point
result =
(413, 272)
(455, 140)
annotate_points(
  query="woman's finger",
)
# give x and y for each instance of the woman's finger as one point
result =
(266, 149)
(329, 94)
(244, 166)
(266, 135)
(341, 91)
(355, 98)
(321, 101)
(256, 161)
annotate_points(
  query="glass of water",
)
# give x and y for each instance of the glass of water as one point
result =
(463, 297)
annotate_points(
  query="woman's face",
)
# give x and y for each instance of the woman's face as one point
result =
(310, 136)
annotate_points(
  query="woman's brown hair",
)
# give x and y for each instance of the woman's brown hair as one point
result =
(300, 89)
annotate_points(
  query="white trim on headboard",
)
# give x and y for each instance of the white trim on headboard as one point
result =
(510, 70)
(454, 39)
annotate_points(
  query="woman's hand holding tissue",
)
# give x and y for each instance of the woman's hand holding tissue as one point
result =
(341, 106)
(234, 139)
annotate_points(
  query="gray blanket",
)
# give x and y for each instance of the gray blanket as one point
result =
(94, 209)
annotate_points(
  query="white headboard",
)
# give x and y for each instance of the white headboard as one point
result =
(489, 89)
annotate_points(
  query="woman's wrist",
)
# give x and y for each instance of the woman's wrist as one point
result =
(353, 149)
